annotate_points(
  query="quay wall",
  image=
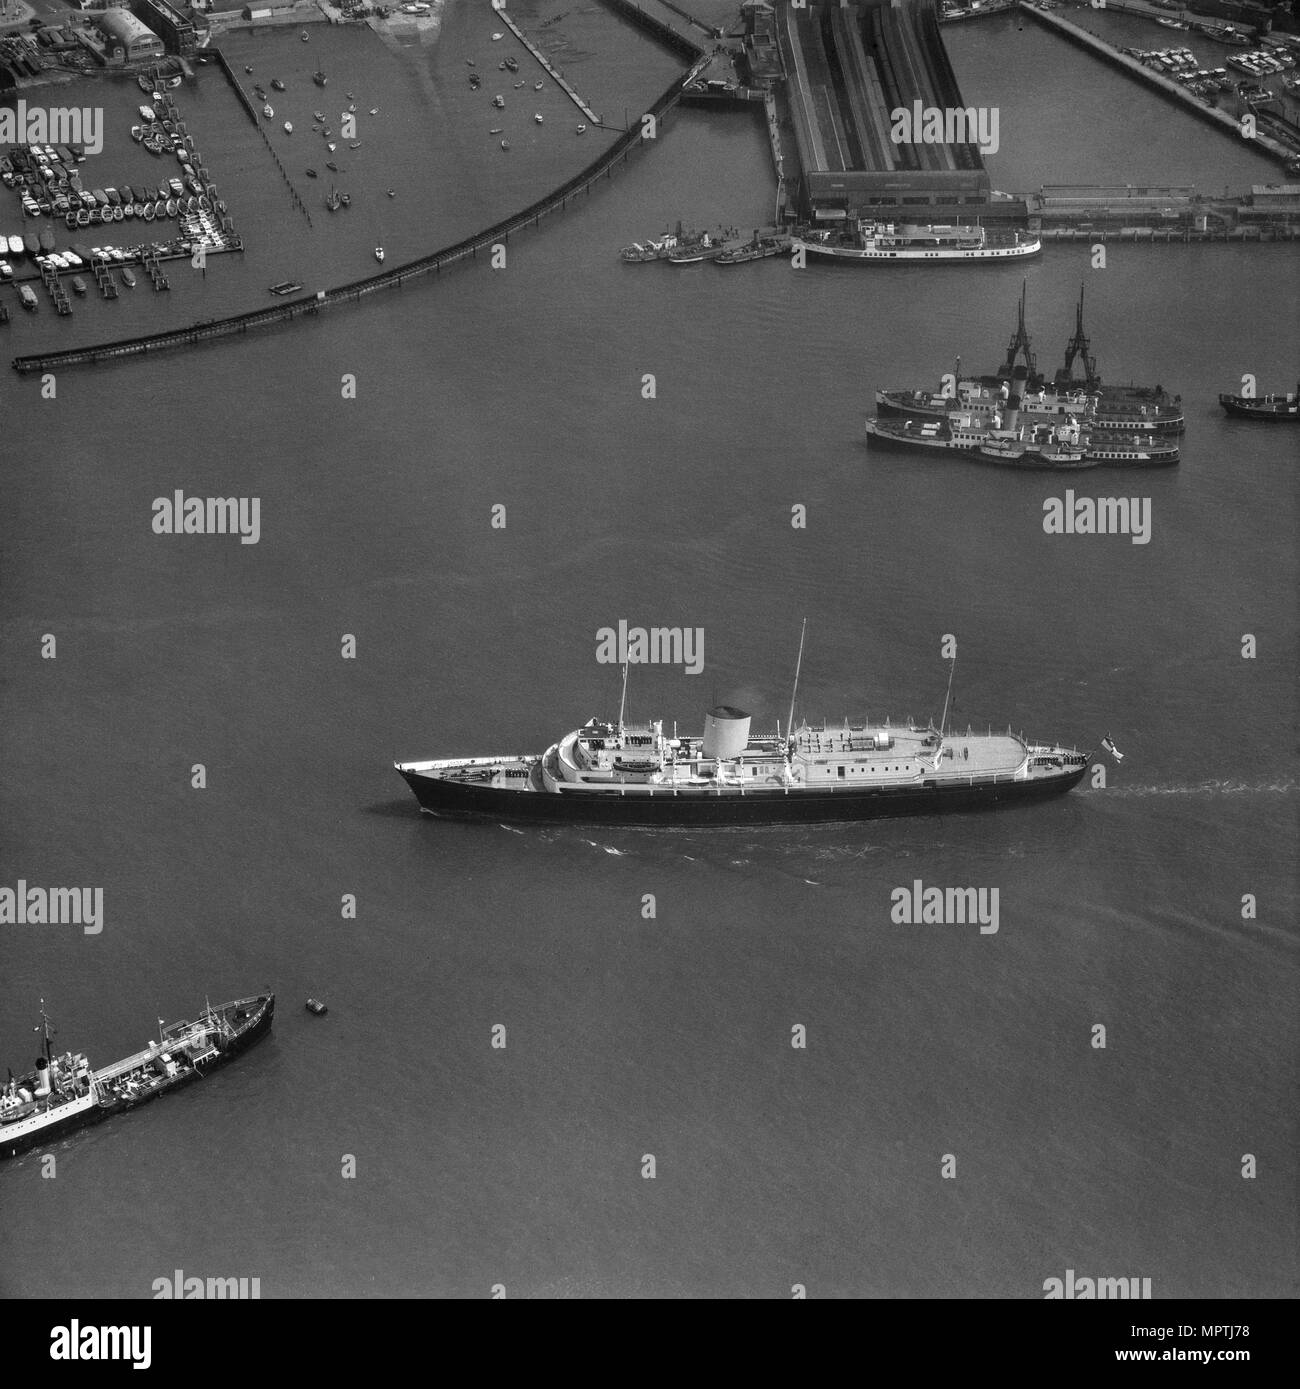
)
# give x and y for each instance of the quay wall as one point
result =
(353, 292)
(652, 24)
(1226, 123)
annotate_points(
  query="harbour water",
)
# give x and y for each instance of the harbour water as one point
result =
(523, 388)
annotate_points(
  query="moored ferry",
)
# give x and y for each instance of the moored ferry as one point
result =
(1017, 445)
(888, 241)
(636, 774)
(64, 1093)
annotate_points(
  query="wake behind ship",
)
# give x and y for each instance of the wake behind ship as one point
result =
(633, 774)
(63, 1093)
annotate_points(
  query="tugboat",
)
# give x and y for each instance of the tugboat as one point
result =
(692, 252)
(319, 78)
(1272, 409)
(63, 1093)
(379, 254)
(906, 245)
(634, 774)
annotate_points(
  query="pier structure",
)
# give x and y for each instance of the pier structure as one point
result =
(1228, 124)
(849, 68)
(553, 72)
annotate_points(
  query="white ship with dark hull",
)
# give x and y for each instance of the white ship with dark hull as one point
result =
(64, 1093)
(890, 243)
(1052, 446)
(635, 774)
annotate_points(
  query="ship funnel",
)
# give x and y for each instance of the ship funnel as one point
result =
(42, 1077)
(726, 732)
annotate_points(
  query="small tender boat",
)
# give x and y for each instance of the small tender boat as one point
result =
(505, 144)
(354, 144)
(1273, 409)
(1110, 747)
(537, 86)
(314, 1005)
(496, 130)
(392, 193)
(137, 133)
(128, 277)
(374, 110)
(276, 84)
(78, 285)
(268, 110)
(499, 102)
(306, 37)
(248, 67)
(379, 254)
(345, 199)
(331, 146)
(331, 166)
(318, 116)
(495, 37)
(582, 130)
(311, 173)
(285, 287)
(537, 116)
(288, 127)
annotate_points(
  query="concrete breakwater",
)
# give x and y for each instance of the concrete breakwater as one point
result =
(356, 290)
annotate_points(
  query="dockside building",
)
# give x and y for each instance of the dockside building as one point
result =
(849, 68)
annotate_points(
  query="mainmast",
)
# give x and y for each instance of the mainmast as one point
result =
(622, 704)
(44, 1029)
(798, 667)
(943, 722)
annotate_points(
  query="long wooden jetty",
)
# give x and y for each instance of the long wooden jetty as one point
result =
(237, 324)
(555, 74)
(1167, 88)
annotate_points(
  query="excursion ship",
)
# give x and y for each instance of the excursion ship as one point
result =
(64, 1093)
(636, 774)
(887, 241)
(1126, 427)
(1034, 445)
